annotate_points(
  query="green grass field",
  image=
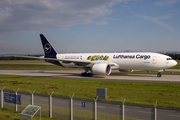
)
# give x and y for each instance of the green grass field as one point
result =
(7, 114)
(167, 95)
(62, 113)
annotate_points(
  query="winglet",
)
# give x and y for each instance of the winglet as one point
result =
(47, 47)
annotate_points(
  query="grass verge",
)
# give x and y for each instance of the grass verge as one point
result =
(167, 95)
(8, 114)
(57, 113)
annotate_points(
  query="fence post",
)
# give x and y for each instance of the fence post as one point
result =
(71, 106)
(32, 96)
(95, 100)
(50, 104)
(155, 111)
(40, 113)
(123, 113)
(2, 96)
(16, 95)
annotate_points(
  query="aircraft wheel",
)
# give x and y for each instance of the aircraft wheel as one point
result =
(159, 74)
(86, 74)
(83, 74)
(90, 74)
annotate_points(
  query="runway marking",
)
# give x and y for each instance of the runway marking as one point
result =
(145, 112)
(120, 109)
(138, 107)
(115, 77)
(174, 115)
(167, 110)
(101, 106)
(61, 102)
(44, 100)
(77, 104)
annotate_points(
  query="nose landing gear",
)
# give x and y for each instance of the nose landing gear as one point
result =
(159, 74)
(86, 74)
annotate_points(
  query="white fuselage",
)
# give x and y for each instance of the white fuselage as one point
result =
(121, 61)
(103, 63)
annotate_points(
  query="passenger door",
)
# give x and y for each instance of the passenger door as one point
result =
(154, 59)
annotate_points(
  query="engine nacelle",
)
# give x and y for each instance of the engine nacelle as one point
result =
(101, 68)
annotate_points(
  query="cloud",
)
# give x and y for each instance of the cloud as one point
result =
(162, 17)
(156, 20)
(102, 23)
(166, 2)
(107, 18)
(19, 15)
(2, 42)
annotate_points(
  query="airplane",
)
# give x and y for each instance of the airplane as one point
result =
(104, 63)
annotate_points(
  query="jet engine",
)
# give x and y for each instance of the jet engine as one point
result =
(101, 68)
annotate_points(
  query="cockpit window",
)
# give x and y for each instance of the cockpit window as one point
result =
(169, 59)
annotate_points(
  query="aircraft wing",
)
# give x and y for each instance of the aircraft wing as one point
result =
(40, 58)
(77, 62)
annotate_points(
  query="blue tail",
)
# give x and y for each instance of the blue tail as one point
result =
(47, 47)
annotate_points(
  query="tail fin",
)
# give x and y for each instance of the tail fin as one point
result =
(47, 47)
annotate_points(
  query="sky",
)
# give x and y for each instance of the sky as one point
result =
(74, 26)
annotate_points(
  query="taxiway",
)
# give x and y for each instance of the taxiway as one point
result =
(75, 74)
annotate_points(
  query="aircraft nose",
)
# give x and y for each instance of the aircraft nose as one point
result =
(173, 63)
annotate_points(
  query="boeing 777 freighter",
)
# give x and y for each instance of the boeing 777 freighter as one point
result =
(104, 63)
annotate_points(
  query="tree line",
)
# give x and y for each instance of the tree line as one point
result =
(174, 56)
(17, 58)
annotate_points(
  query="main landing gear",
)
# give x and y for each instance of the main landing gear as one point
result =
(86, 74)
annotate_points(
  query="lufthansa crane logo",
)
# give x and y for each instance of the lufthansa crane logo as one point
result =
(47, 48)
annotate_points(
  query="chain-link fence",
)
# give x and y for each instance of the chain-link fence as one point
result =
(85, 109)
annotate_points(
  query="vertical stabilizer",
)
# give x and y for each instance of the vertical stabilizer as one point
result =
(47, 47)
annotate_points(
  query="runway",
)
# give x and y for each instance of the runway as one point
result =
(75, 74)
